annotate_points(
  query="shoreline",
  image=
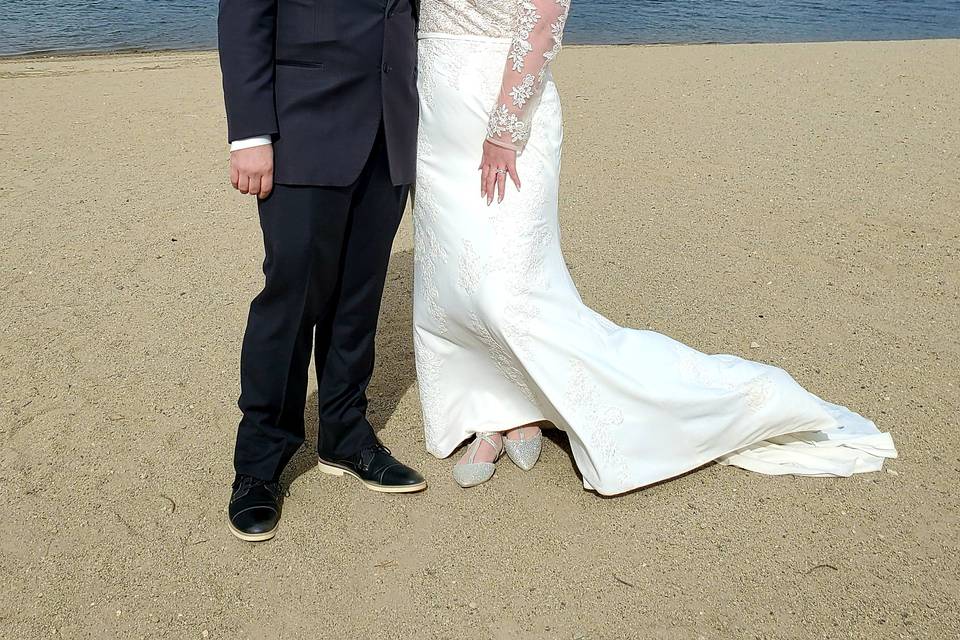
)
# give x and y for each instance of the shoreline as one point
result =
(139, 51)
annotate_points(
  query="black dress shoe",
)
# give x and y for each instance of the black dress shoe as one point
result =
(255, 507)
(377, 469)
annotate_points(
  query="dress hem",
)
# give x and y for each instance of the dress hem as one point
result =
(485, 427)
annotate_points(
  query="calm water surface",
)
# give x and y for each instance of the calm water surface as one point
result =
(85, 25)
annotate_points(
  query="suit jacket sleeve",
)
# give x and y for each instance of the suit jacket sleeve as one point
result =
(247, 38)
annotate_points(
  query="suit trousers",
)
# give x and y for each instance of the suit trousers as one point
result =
(326, 255)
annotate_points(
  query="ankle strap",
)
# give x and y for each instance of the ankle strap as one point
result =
(485, 436)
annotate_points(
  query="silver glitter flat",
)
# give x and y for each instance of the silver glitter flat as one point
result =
(523, 452)
(470, 473)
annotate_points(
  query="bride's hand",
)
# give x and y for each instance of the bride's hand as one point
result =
(498, 162)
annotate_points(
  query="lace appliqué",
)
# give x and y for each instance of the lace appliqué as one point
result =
(523, 91)
(491, 18)
(429, 366)
(468, 271)
(532, 48)
(440, 62)
(756, 391)
(601, 422)
(522, 240)
(556, 31)
(527, 18)
(504, 361)
(429, 256)
(503, 121)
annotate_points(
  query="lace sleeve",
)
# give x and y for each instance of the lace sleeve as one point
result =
(538, 32)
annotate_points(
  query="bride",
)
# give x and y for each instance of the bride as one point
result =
(503, 341)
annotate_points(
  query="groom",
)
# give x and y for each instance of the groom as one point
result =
(322, 115)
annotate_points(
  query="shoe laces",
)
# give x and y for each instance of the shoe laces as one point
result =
(246, 483)
(367, 454)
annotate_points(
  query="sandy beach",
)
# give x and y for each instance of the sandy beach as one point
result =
(795, 204)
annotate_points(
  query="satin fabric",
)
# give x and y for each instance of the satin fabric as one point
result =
(503, 339)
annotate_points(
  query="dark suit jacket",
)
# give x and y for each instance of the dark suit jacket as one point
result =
(320, 76)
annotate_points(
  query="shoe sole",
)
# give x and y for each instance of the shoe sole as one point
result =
(473, 484)
(333, 470)
(252, 537)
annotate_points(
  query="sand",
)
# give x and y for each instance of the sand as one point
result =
(797, 204)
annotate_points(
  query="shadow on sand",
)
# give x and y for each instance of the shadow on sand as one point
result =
(394, 372)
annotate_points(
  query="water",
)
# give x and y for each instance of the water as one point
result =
(661, 21)
(94, 25)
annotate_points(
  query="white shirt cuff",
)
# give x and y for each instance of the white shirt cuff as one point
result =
(246, 143)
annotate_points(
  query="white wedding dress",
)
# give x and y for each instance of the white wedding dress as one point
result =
(502, 337)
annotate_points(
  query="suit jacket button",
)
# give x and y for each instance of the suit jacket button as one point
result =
(387, 68)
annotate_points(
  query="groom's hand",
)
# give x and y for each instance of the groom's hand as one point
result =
(251, 170)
